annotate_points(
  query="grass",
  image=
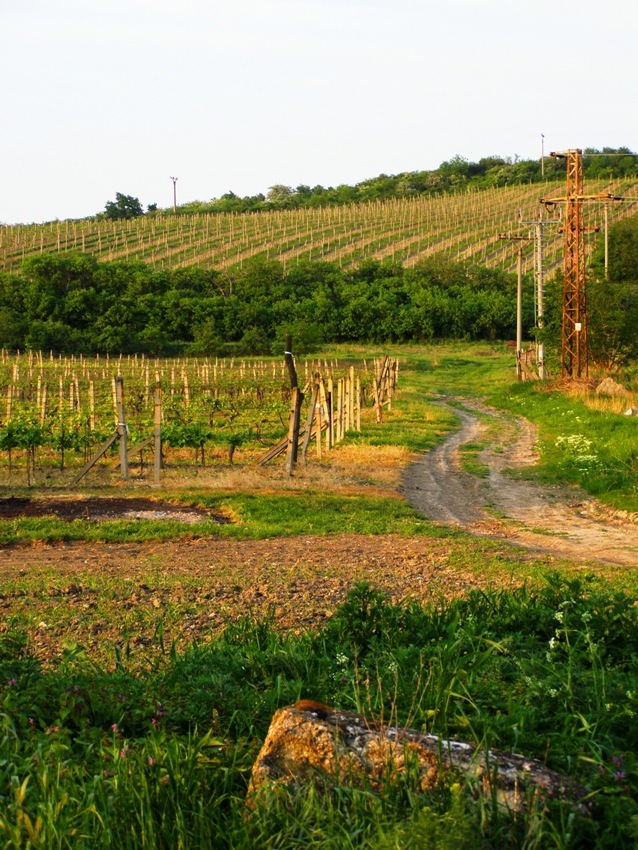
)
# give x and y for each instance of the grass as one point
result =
(94, 758)
(253, 516)
(149, 744)
(580, 444)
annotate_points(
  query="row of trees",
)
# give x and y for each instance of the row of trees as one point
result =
(73, 303)
(453, 175)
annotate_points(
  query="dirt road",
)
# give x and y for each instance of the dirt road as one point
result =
(561, 521)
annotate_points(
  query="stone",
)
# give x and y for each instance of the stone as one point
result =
(311, 742)
(611, 388)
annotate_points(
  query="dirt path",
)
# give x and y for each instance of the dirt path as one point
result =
(561, 521)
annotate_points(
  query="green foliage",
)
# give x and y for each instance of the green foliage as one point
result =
(593, 449)
(160, 757)
(124, 206)
(73, 304)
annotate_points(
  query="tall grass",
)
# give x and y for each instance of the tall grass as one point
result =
(112, 758)
(588, 444)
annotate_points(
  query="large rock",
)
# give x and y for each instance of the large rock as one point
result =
(612, 388)
(313, 742)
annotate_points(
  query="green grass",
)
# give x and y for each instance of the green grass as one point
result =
(253, 516)
(593, 449)
(96, 758)
(152, 748)
(470, 462)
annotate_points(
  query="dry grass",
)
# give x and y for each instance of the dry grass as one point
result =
(346, 469)
(585, 391)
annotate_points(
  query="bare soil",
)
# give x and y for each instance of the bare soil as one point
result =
(90, 593)
(565, 522)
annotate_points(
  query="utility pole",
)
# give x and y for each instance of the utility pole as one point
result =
(539, 266)
(519, 299)
(574, 351)
(174, 179)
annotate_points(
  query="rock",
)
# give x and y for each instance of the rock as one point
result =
(313, 742)
(631, 411)
(610, 387)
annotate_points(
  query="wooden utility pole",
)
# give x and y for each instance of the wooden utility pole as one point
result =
(539, 224)
(519, 299)
(174, 179)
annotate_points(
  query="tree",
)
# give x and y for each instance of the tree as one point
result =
(124, 206)
(280, 196)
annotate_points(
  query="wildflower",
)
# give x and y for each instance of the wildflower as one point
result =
(151, 760)
(114, 727)
(11, 682)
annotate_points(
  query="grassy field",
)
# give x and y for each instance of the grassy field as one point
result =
(149, 744)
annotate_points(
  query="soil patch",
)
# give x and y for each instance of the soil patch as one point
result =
(102, 595)
(101, 509)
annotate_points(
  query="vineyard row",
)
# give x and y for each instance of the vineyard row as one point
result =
(462, 226)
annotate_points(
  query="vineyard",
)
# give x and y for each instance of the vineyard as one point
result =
(455, 227)
(59, 413)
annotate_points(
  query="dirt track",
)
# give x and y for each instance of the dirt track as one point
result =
(561, 521)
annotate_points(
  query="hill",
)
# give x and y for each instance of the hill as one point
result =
(455, 226)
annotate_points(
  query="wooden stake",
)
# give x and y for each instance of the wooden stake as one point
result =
(157, 434)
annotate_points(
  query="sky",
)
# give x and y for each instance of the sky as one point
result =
(106, 96)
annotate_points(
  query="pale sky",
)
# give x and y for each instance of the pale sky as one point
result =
(106, 96)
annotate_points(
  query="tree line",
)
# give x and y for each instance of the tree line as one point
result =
(456, 174)
(73, 303)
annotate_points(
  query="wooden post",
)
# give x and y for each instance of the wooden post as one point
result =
(358, 404)
(309, 422)
(351, 400)
(157, 434)
(43, 405)
(121, 426)
(331, 415)
(295, 408)
(317, 410)
(92, 405)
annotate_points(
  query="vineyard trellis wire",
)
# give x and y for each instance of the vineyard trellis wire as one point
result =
(64, 416)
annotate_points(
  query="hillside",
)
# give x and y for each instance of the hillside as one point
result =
(454, 226)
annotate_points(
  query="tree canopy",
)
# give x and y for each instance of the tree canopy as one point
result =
(124, 206)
